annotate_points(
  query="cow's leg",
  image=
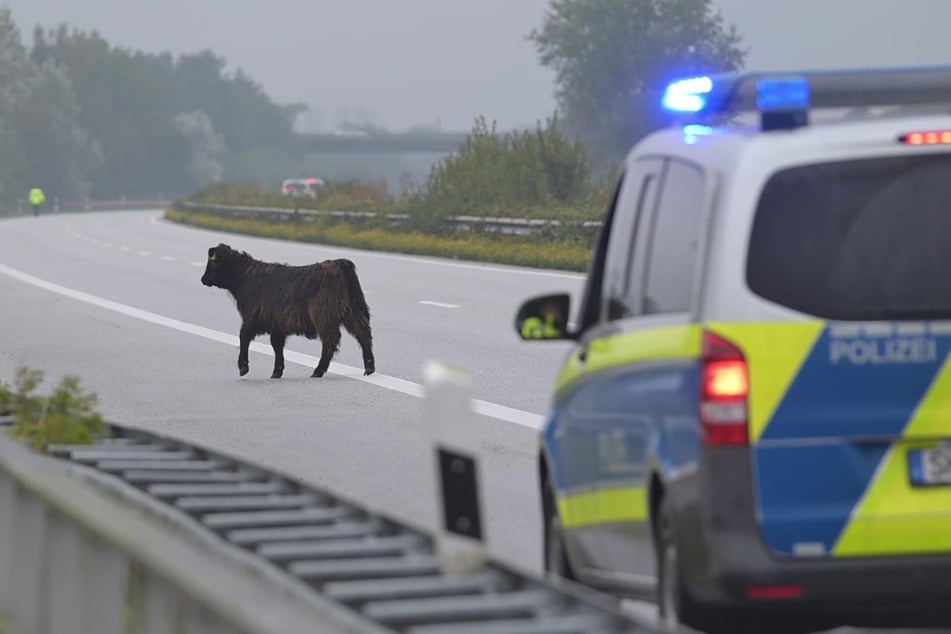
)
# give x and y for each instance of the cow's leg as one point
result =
(245, 342)
(359, 327)
(277, 342)
(330, 337)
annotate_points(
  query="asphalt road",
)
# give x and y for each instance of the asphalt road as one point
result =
(115, 299)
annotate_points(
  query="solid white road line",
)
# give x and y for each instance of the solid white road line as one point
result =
(486, 408)
(439, 304)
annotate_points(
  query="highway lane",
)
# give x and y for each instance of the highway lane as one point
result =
(362, 438)
(467, 322)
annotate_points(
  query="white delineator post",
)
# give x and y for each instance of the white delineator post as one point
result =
(452, 423)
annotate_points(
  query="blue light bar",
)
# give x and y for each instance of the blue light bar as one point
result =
(782, 94)
(785, 98)
(688, 95)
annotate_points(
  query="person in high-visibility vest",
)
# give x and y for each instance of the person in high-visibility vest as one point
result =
(37, 198)
(536, 328)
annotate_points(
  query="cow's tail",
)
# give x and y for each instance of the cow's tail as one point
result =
(357, 299)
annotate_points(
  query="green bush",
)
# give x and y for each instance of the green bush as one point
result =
(517, 174)
(67, 416)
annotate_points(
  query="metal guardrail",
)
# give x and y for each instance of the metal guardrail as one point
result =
(232, 547)
(523, 226)
(80, 558)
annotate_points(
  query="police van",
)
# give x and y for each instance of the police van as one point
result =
(753, 425)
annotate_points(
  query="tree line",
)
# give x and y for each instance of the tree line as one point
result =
(84, 118)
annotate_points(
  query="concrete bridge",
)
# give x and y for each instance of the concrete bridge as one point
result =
(404, 143)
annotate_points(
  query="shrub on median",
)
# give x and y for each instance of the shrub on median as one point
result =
(66, 416)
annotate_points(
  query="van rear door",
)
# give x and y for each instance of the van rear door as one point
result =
(851, 432)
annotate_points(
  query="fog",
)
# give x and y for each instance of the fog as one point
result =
(432, 62)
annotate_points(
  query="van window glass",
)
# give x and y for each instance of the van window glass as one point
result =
(634, 202)
(856, 240)
(674, 241)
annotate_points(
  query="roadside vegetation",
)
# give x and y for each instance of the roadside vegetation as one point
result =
(66, 416)
(608, 84)
(536, 175)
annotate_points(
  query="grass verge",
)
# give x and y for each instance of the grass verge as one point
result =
(570, 254)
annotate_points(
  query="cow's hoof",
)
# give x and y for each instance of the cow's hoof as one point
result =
(316, 374)
(243, 369)
(369, 367)
(276, 374)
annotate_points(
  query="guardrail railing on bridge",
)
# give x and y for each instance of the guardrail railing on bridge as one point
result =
(143, 533)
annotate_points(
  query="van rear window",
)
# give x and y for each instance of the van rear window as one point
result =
(865, 239)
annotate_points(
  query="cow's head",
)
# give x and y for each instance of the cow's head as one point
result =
(221, 269)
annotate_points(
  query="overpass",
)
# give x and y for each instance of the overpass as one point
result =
(405, 143)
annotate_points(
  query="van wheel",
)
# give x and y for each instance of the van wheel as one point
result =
(674, 604)
(677, 609)
(555, 552)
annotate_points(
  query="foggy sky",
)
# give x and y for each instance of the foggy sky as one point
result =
(422, 61)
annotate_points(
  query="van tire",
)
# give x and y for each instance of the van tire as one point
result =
(675, 606)
(554, 551)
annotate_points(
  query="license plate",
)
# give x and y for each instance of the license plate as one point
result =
(930, 467)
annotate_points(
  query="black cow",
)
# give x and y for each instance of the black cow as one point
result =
(281, 300)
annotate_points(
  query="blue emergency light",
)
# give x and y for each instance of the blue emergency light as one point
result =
(688, 95)
(784, 99)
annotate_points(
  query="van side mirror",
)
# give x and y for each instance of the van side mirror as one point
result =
(544, 318)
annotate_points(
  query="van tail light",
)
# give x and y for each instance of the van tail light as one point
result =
(724, 393)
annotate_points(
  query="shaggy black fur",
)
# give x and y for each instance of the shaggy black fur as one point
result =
(281, 300)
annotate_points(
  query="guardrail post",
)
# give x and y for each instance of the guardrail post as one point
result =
(29, 566)
(8, 515)
(460, 539)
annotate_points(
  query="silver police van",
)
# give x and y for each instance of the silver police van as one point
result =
(753, 426)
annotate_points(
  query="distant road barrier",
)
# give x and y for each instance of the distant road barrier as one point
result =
(114, 203)
(521, 226)
(146, 534)
(56, 205)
